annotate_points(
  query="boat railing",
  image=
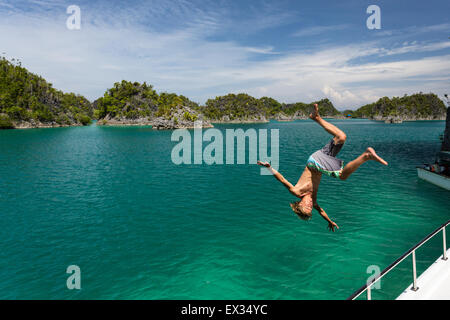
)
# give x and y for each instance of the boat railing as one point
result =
(368, 286)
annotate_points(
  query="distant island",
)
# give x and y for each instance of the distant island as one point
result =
(418, 106)
(244, 108)
(29, 101)
(130, 103)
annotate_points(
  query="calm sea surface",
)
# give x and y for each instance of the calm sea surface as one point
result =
(111, 201)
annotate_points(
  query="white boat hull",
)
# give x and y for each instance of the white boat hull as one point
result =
(434, 178)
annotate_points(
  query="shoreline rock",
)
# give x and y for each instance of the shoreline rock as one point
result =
(164, 124)
(400, 119)
(40, 125)
(182, 118)
(226, 120)
(239, 121)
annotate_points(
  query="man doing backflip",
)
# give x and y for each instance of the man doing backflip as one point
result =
(323, 161)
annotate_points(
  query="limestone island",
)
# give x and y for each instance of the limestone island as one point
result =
(29, 101)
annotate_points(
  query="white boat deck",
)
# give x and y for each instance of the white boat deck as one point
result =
(433, 283)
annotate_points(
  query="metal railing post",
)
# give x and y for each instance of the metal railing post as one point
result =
(444, 255)
(368, 287)
(414, 287)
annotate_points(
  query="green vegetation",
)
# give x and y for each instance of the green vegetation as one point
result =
(271, 105)
(127, 100)
(418, 105)
(26, 97)
(189, 117)
(243, 106)
(326, 108)
(240, 106)
(168, 103)
(5, 122)
(132, 100)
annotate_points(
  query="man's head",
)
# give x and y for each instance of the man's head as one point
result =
(303, 208)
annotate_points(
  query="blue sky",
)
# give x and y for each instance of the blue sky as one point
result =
(289, 50)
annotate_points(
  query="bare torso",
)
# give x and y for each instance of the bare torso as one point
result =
(308, 183)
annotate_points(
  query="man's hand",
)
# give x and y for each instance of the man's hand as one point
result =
(332, 225)
(264, 164)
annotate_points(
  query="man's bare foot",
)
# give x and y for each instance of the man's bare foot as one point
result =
(371, 154)
(315, 114)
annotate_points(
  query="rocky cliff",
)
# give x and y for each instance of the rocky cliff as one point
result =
(130, 103)
(242, 108)
(407, 108)
(29, 101)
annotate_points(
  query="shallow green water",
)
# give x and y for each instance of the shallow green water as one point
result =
(111, 201)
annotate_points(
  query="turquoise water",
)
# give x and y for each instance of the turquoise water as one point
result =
(111, 201)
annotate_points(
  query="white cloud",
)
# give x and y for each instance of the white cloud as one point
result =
(415, 47)
(185, 60)
(343, 96)
(265, 50)
(435, 27)
(415, 30)
(329, 73)
(312, 31)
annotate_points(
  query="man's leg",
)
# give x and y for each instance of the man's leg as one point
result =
(339, 135)
(351, 167)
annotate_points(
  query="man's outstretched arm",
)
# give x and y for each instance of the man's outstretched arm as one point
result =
(277, 175)
(331, 224)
